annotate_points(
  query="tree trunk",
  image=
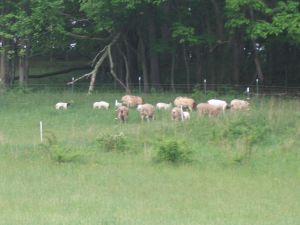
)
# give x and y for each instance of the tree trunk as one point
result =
(187, 67)
(199, 75)
(257, 62)
(3, 66)
(143, 61)
(236, 61)
(173, 64)
(23, 66)
(153, 56)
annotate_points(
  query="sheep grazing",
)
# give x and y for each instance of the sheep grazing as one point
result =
(185, 102)
(117, 104)
(62, 105)
(101, 105)
(164, 106)
(219, 103)
(237, 104)
(122, 113)
(131, 100)
(146, 111)
(176, 114)
(186, 116)
(208, 109)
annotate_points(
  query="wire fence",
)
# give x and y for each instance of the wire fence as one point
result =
(257, 89)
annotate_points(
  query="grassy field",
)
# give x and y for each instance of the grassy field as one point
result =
(243, 169)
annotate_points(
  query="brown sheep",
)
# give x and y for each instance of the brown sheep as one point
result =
(131, 100)
(122, 113)
(237, 104)
(208, 109)
(146, 111)
(185, 102)
(176, 114)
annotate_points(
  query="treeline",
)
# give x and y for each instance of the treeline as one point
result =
(163, 41)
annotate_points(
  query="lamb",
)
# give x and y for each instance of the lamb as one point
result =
(208, 109)
(117, 104)
(177, 114)
(122, 113)
(219, 103)
(131, 100)
(101, 105)
(146, 111)
(185, 102)
(237, 104)
(162, 105)
(62, 105)
(186, 115)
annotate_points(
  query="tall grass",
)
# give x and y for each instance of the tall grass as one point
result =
(244, 168)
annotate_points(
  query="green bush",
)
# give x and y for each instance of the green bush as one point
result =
(173, 151)
(57, 151)
(113, 142)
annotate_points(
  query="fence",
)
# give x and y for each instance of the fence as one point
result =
(257, 89)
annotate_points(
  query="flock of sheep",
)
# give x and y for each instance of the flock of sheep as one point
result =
(181, 111)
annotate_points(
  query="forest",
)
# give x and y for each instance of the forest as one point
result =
(163, 43)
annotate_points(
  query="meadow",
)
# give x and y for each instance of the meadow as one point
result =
(242, 168)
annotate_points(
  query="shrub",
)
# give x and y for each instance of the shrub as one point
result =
(113, 142)
(173, 151)
(57, 151)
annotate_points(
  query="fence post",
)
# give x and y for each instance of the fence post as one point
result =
(73, 84)
(140, 90)
(257, 86)
(41, 131)
(248, 92)
(204, 83)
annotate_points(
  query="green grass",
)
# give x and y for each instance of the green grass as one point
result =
(236, 176)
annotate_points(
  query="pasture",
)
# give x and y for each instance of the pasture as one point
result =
(243, 169)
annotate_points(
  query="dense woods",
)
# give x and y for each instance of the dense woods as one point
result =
(166, 42)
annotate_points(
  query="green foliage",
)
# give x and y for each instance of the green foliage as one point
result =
(58, 152)
(173, 151)
(113, 142)
(185, 34)
(251, 131)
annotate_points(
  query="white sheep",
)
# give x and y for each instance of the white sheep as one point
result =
(162, 105)
(219, 104)
(117, 104)
(100, 105)
(186, 115)
(62, 105)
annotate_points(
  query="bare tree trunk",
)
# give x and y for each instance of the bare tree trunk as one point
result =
(23, 65)
(153, 56)
(95, 70)
(127, 69)
(187, 67)
(173, 71)
(143, 60)
(3, 66)
(257, 62)
(199, 75)
(236, 61)
(256, 56)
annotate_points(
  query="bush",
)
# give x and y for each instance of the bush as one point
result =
(173, 151)
(57, 151)
(113, 142)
